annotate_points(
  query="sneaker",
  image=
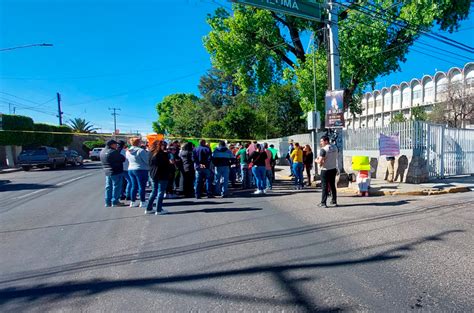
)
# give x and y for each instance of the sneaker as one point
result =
(322, 205)
(150, 212)
(108, 205)
(143, 204)
(334, 204)
(162, 212)
(258, 192)
(265, 191)
(134, 204)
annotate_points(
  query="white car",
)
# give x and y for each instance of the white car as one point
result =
(95, 154)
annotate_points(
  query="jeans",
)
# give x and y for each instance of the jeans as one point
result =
(298, 172)
(113, 189)
(139, 179)
(203, 175)
(260, 176)
(127, 188)
(245, 176)
(328, 177)
(222, 173)
(269, 175)
(290, 162)
(158, 189)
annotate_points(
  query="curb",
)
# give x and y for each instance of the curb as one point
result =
(425, 192)
(10, 170)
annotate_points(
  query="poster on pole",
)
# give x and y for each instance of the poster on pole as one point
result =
(334, 108)
(389, 145)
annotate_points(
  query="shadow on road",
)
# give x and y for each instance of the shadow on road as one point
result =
(388, 203)
(18, 187)
(190, 202)
(281, 275)
(222, 210)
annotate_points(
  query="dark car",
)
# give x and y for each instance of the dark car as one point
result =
(41, 157)
(74, 158)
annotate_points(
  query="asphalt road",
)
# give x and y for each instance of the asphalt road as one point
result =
(62, 250)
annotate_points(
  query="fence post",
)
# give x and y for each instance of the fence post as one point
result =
(428, 146)
(442, 152)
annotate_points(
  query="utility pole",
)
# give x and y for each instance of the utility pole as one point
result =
(335, 80)
(9, 108)
(114, 114)
(60, 113)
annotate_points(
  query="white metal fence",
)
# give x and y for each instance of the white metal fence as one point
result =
(448, 151)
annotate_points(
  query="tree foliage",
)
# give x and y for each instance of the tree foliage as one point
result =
(80, 125)
(167, 109)
(398, 118)
(257, 46)
(419, 114)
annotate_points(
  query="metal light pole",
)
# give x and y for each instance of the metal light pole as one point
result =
(28, 46)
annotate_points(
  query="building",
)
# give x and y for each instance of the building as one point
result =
(379, 106)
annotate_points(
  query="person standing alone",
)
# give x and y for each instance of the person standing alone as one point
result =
(327, 160)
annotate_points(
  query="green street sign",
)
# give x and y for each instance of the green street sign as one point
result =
(306, 9)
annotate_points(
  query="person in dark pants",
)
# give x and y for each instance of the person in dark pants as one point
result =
(327, 160)
(186, 155)
(202, 165)
(159, 174)
(112, 162)
(308, 162)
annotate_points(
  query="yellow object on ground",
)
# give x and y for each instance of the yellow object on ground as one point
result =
(360, 163)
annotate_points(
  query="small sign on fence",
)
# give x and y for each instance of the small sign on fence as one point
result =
(389, 145)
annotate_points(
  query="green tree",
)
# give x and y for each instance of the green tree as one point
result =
(166, 111)
(439, 114)
(281, 111)
(217, 88)
(80, 125)
(398, 118)
(214, 129)
(188, 119)
(241, 122)
(259, 48)
(419, 114)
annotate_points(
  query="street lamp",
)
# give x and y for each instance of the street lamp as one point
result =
(28, 46)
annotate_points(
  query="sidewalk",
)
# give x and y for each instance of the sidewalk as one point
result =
(380, 187)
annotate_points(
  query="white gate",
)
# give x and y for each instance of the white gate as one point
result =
(449, 151)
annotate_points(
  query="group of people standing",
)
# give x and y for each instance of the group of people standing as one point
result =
(193, 171)
(189, 170)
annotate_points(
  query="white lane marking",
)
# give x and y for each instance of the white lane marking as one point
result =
(57, 185)
(72, 180)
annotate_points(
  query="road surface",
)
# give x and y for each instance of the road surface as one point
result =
(62, 250)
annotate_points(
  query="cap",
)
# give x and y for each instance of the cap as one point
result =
(111, 142)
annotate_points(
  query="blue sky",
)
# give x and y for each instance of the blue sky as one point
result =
(129, 55)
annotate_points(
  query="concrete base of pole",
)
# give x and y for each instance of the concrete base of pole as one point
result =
(342, 180)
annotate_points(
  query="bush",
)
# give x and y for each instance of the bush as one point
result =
(12, 126)
(89, 145)
(43, 139)
(61, 140)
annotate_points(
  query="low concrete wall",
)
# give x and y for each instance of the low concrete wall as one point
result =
(410, 167)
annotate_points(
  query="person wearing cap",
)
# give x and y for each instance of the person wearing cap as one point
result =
(112, 163)
(202, 164)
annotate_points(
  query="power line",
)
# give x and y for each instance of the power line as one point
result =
(430, 34)
(114, 114)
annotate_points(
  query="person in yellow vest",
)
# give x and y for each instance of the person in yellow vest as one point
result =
(296, 158)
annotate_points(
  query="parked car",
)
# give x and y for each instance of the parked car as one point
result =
(41, 157)
(73, 158)
(95, 154)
